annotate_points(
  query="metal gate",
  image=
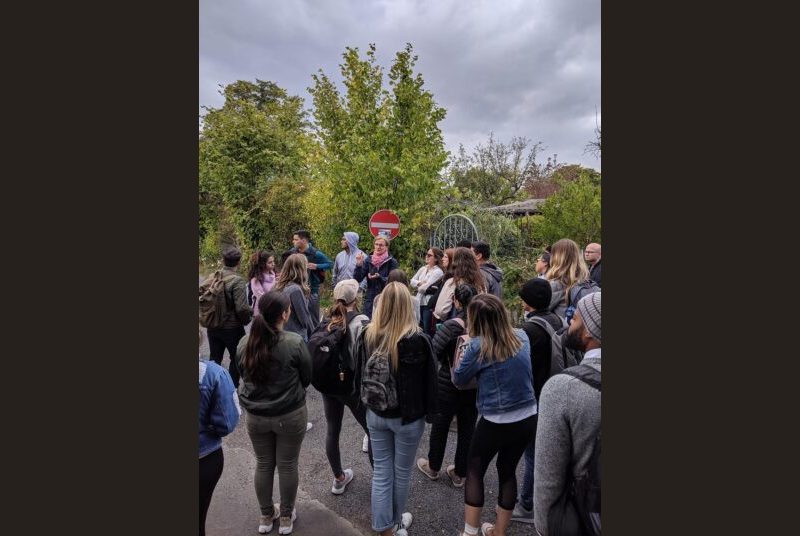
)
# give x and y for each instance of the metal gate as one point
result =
(452, 229)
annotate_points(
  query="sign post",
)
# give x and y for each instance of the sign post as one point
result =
(384, 223)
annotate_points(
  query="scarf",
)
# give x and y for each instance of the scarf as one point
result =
(377, 260)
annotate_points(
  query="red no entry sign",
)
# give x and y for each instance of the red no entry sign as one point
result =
(384, 223)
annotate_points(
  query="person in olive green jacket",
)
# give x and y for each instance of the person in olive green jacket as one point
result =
(276, 370)
(237, 314)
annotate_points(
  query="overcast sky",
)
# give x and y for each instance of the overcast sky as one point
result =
(516, 67)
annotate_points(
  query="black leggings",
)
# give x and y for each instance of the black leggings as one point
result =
(334, 413)
(508, 441)
(210, 471)
(462, 406)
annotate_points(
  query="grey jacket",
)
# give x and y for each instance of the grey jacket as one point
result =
(569, 420)
(494, 279)
(300, 321)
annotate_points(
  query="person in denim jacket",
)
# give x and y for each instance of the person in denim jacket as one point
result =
(499, 356)
(219, 414)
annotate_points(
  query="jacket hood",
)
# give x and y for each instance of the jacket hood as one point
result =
(352, 241)
(492, 270)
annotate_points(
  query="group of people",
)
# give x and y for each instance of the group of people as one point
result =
(448, 351)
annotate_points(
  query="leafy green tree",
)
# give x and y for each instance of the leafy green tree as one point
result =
(253, 166)
(382, 148)
(498, 173)
(573, 212)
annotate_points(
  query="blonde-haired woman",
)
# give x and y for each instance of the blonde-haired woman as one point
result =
(293, 281)
(396, 376)
(499, 356)
(567, 269)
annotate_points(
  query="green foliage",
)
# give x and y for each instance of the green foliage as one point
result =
(498, 173)
(573, 212)
(253, 167)
(382, 149)
(500, 232)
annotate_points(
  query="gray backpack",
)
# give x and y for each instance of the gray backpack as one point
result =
(378, 386)
(560, 358)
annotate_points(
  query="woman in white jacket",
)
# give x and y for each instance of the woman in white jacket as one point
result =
(425, 277)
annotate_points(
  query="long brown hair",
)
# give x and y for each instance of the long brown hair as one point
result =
(264, 335)
(489, 320)
(466, 269)
(567, 265)
(258, 264)
(294, 270)
(392, 319)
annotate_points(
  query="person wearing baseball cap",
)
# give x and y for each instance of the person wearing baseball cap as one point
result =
(568, 431)
(343, 314)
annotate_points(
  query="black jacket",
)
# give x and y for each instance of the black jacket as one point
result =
(374, 286)
(594, 273)
(540, 348)
(444, 347)
(415, 377)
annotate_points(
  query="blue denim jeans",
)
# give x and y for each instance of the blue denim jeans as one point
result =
(394, 449)
(526, 491)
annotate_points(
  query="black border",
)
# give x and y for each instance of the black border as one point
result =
(101, 120)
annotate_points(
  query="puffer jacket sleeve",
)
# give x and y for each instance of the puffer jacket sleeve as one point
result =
(443, 341)
(431, 379)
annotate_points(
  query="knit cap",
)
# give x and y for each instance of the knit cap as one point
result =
(536, 293)
(346, 290)
(589, 307)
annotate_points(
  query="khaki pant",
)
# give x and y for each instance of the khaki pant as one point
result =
(276, 442)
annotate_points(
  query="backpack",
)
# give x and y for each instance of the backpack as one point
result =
(250, 296)
(462, 343)
(561, 357)
(213, 301)
(577, 512)
(332, 370)
(575, 294)
(378, 385)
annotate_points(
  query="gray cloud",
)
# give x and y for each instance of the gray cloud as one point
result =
(518, 68)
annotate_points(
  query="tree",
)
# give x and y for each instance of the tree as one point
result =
(382, 148)
(253, 165)
(573, 212)
(497, 173)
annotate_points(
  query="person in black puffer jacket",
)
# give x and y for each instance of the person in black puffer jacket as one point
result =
(451, 401)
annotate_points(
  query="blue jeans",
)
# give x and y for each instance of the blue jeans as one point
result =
(526, 492)
(394, 449)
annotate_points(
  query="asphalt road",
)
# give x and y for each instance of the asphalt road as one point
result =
(437, 506)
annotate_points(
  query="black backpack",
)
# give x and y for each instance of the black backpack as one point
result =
(577, 512)
(332, 369)
(561, 358)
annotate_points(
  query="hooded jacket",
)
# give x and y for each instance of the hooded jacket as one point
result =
(494, 278)
(345, 262)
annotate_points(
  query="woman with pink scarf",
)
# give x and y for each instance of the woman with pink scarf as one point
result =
(375, 268)
(262, 275)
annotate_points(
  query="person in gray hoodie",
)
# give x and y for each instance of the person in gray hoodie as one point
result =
(569, 420)
(492, 274)
(345, 262)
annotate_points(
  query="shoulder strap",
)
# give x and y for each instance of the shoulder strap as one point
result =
(586, 374)
(544, 324)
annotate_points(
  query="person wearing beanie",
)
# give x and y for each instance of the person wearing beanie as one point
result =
(536, 294)
(343, 314)
(569, 418)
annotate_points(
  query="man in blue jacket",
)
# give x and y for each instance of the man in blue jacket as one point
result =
(318, 262)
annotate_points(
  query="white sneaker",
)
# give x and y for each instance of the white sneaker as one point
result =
(287, 523)
(365, 444)
(338, 486)
(265, 522)
(309, 426)
(405, 520)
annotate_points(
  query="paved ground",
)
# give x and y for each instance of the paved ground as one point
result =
(437, 506)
